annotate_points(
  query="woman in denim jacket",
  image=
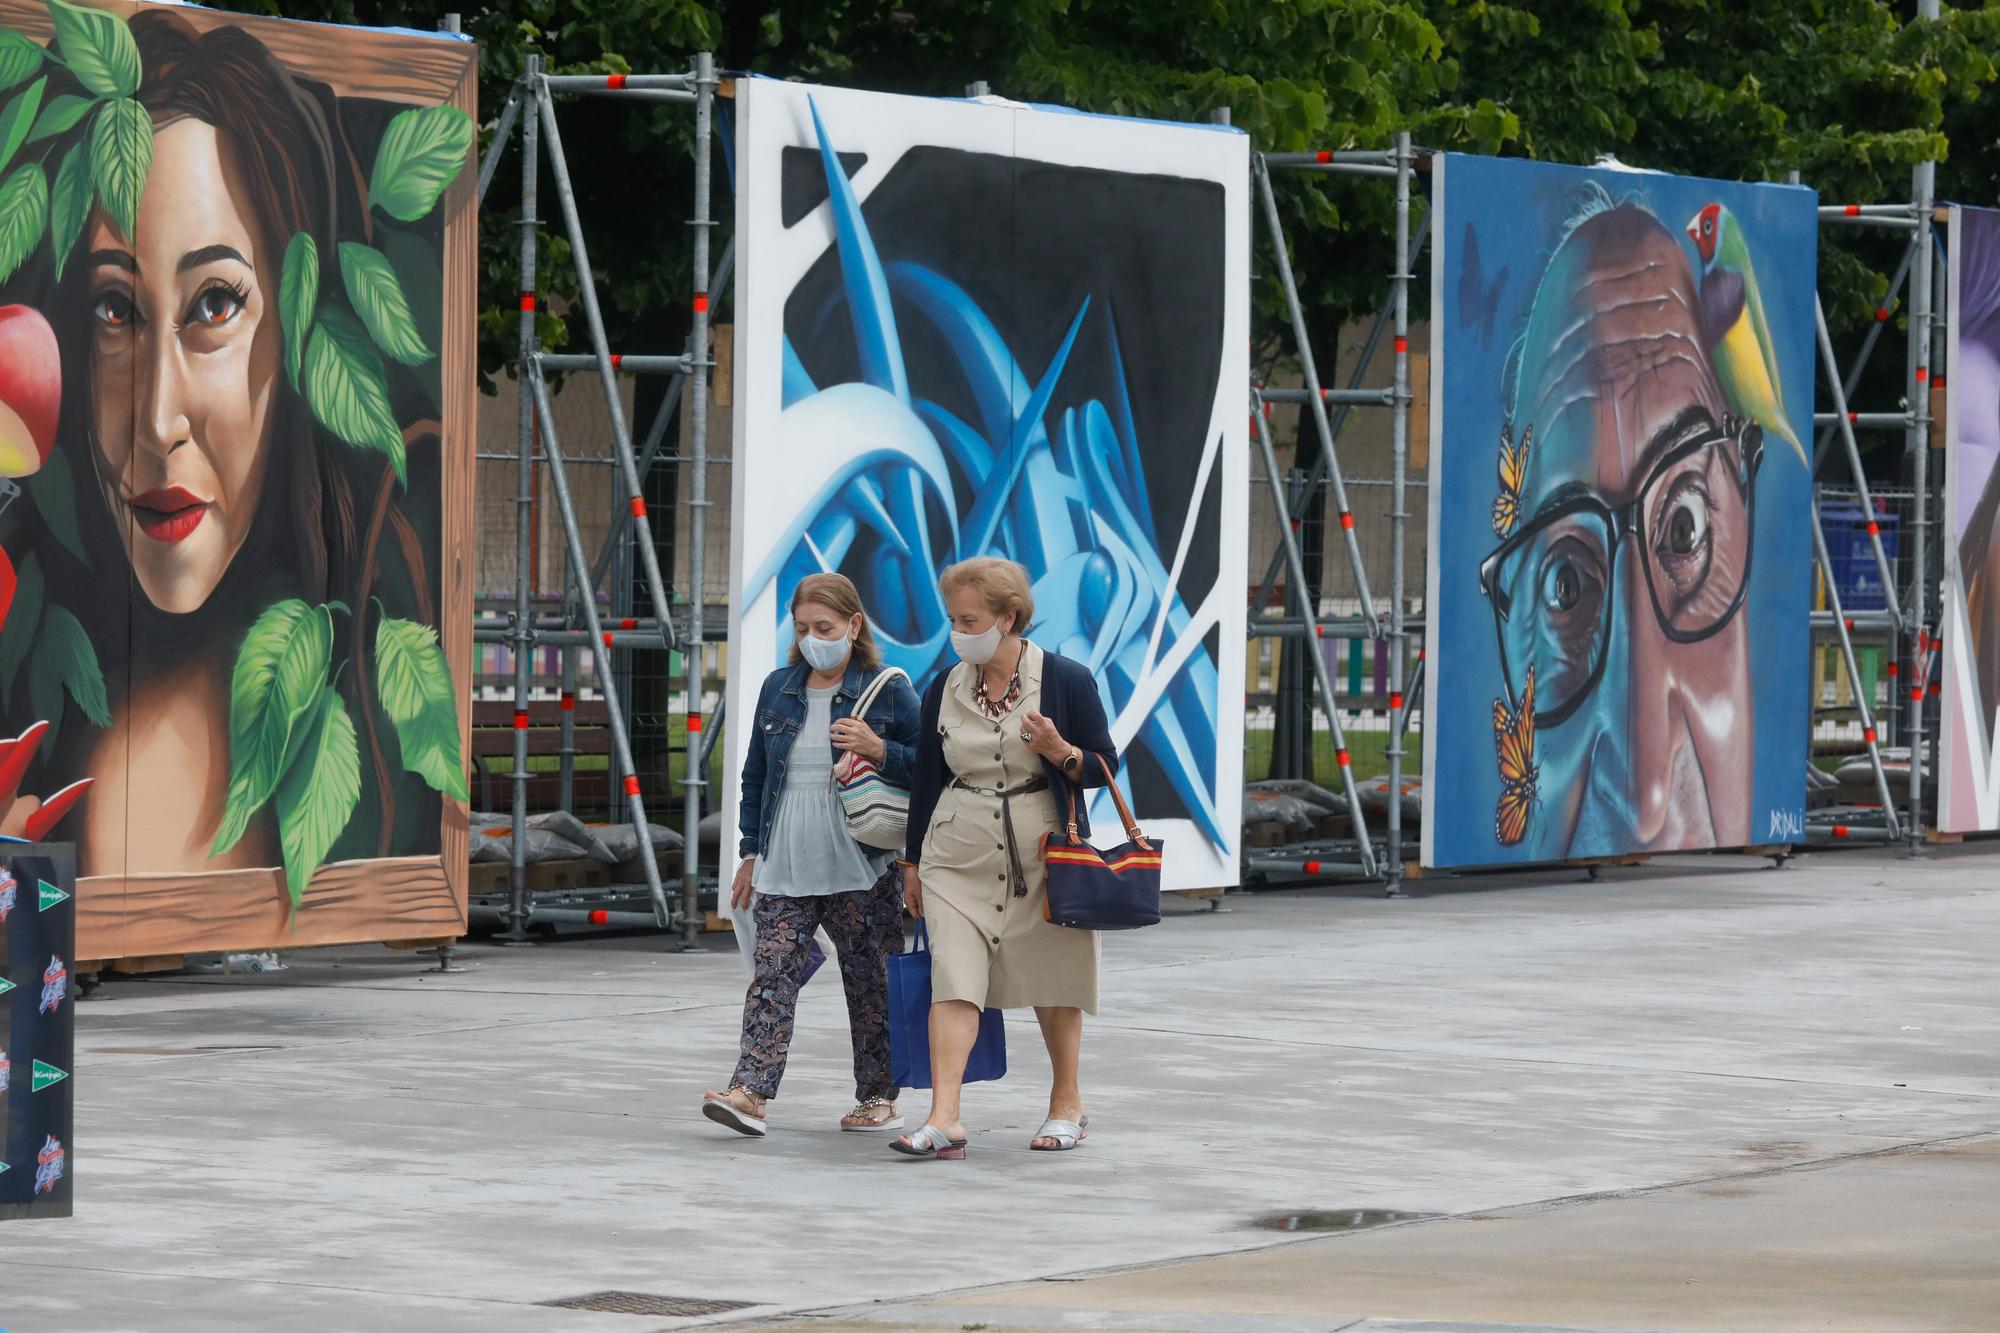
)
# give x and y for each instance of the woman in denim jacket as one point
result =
(800, 866)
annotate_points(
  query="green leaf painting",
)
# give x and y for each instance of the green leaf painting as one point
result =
(318, 795)
(121, 153)
(345, 385)
(24, 211)
(414, 682)
(298, 294)
(69, 205)
(19, 58)
(17, 118)
(54, 492)
(378, 298)
(45, 694)
(24, 620)
(97, 47)
(278, 676)
(60, 116)
(64, 641)
(421, 153)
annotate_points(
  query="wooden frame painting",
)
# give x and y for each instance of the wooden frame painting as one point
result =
(236, 435)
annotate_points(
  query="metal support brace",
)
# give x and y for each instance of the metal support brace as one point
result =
(1846, 429)
(1868, 732)
(1288, 542)
(607, 684)
(1302, 489)
(621, 437)
(1282, 257)
(1882, 313)
(500, 132)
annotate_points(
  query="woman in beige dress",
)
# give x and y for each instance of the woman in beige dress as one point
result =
(1003, 740)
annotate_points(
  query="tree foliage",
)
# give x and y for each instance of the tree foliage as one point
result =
(1851, 93)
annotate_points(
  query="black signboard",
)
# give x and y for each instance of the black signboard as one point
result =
(37, 1028)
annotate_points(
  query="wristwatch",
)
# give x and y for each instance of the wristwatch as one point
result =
(1075, 759)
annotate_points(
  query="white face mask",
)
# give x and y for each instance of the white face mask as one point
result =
(976, 649)
(825, 654)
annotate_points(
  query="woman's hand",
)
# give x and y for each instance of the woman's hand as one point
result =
(913, 892)
(1043, 738)
(857, 737)
(742, 890)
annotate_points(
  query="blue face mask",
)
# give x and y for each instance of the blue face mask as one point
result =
(825, 654)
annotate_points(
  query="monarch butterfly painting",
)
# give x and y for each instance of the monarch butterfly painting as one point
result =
(1514, 748)
(1513, 471)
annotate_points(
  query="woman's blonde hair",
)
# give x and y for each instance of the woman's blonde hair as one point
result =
(1002, 583)
(837, 593)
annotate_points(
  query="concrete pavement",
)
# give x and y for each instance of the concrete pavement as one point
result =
(355, 1144)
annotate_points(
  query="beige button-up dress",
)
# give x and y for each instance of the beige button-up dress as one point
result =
(989, 947)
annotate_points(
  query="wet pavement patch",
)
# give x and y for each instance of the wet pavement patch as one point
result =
(1334, 1219)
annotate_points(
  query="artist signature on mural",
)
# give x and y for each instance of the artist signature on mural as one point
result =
(1787, 826)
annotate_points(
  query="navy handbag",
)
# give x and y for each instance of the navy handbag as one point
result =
(910, 1024)
(1093, 890)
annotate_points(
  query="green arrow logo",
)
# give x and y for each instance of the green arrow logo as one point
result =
(4, 1168)
(47, 1075)
(5, 985)
(51, 895)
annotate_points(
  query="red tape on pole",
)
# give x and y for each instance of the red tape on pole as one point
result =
(615, 82)
(631, 784)
(527, 301)
(1346, 519)
(638, 507)
(520, 720)
(1341, 755)
(1395, 699)
(1323, 155)
(701, 303)
(569, 703)
(694, 724)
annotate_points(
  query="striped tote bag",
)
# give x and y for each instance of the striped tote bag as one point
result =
(878, 812)
(1093, 890)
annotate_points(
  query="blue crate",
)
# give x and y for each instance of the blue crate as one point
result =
(1855, 573)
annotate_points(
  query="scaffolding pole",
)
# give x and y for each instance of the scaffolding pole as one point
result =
(697, 774)
(1400, 454)
(1917, 630)
(524, 506)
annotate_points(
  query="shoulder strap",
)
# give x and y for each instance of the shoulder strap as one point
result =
(867, 699)
(1118, 799)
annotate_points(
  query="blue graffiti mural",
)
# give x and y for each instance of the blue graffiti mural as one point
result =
(917, 487)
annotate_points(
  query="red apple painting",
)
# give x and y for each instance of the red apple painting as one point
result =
(30, 391)
(236, 405)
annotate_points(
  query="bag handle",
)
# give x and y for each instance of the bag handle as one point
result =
(1118, 799)
(869, 695)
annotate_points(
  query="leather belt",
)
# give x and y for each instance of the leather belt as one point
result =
(1017, 878)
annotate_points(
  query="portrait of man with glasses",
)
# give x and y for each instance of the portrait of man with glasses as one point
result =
(1621, 639)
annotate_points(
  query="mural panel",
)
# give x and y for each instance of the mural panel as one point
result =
(1618, 595)
(1968, 776)
(235, 432)
(990, 329)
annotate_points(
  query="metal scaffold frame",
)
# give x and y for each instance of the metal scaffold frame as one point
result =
(1909, 615)
(532, 105)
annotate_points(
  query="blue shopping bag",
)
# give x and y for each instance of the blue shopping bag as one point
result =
(910, 1024)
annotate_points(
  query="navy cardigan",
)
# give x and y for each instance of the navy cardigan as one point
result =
(1071, 704)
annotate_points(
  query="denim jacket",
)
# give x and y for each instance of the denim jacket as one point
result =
(781, 711)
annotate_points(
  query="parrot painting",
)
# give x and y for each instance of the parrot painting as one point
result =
(1733, 324)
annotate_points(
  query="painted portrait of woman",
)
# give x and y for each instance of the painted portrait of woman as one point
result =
(221, 652)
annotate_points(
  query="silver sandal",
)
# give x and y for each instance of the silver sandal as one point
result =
(930, 1141)
(1067, 1134)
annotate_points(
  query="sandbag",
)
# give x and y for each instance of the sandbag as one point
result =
(622, 840)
